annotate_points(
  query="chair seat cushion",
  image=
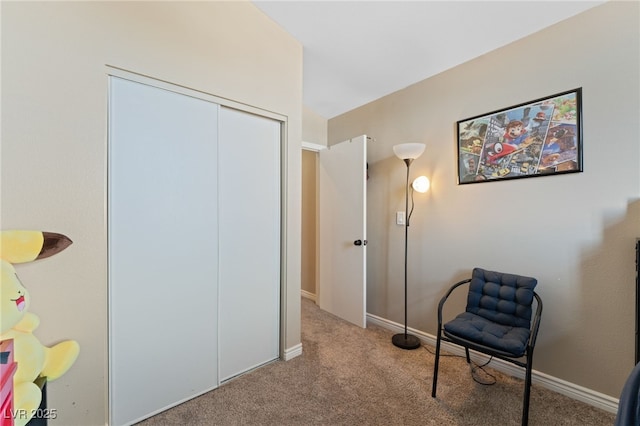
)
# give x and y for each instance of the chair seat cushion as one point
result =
(507, 339)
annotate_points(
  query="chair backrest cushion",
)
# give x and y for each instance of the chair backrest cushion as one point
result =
(500, 297)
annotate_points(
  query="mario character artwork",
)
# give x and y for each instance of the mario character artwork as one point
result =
(17, 323)
(541, 137)
(515, 133)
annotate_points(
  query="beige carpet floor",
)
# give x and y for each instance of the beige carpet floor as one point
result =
(352, 376)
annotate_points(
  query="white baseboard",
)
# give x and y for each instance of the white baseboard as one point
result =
(296, 350)
(308, 295)
(293, 352)
(588, 396)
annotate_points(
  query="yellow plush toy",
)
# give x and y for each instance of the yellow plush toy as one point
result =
(17, 323)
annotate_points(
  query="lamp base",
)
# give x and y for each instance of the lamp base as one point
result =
(405, 341)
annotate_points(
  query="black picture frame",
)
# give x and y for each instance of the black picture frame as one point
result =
(537, 138)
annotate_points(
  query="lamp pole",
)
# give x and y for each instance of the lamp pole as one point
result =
(405, 340)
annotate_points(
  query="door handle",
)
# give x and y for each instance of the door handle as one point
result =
(360, 242)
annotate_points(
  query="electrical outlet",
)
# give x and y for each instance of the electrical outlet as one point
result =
(399, 218)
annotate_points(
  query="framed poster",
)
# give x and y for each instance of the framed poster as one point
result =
(536, 138)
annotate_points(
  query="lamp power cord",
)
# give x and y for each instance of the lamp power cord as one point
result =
(478, 373)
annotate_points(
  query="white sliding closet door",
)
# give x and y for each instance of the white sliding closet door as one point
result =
(249, 214)
(163, 252)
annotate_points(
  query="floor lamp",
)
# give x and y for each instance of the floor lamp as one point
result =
(408, 152)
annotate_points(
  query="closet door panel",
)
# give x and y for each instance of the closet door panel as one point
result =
(249, 212)
(162, 231)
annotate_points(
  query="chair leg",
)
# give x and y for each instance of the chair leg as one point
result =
(435, 366)
(466, 351)
(527, 391)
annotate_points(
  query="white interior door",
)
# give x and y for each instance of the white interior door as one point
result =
(163, 260)
(342, 224)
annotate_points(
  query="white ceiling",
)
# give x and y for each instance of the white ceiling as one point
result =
(358, 51)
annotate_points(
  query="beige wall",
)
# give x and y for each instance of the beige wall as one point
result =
(54, 121)
(575, 233)
(314, 127)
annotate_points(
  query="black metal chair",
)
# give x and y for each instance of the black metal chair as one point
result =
(497, 321)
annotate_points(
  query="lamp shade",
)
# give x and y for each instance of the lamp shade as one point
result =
(410, 151)
(421, 184)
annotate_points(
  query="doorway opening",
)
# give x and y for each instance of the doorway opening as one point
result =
(309, 233)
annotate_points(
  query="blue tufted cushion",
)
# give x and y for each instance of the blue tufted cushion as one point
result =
(498, 311)
(474, 328)
(629, 405)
